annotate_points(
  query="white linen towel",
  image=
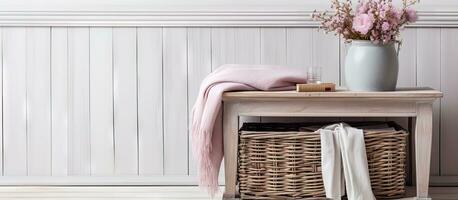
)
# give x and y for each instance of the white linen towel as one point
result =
(343, 146)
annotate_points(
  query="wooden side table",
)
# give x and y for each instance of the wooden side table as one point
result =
(405, 102)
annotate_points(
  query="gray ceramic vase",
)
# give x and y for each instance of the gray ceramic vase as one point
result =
(371, 67)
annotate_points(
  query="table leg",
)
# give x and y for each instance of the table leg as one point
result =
(423, 137)
(230, 138)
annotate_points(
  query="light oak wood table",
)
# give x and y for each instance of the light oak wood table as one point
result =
(415, 103)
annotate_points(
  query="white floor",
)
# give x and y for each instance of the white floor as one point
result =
(148, 193)
(105, 193)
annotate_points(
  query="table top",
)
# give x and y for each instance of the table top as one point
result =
(340, 93)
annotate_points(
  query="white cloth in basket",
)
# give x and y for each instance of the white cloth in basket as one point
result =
(343, 146)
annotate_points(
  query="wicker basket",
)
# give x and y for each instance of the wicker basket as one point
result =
(277, 161)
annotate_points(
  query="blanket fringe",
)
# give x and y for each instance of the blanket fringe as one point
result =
(208, 175)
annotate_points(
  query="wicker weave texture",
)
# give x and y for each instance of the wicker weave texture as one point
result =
(287, 165)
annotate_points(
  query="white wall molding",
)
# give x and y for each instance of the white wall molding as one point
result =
(198, 13)
(288, 18)
(157, 18)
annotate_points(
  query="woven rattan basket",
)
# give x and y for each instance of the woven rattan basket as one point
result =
(277, 161)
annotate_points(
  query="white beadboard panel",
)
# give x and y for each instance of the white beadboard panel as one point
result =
(150, 129)
(273, 52)
(325, 54)
(38, 101)
(247, 45)
(101, 101)
(1, 101)
(407, 74)
(175, 101)
(199, 66)
(247, 50)
(125, 100)
(449, 104)
(408, 58)
(235, 45)
(273, 46)
(118, 101)
(342, 54)
(299, 47)
(223, 46)
(299, 54)
(59, 99)
(79, 156)
(429, 75)
(14, 102)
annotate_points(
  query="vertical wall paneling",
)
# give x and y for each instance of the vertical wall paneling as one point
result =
(1, 101)
(407, 66)
(101, 101)
(115, 101)
(125, 100)
(239, 46)
(59, 99)
(407, 72)
(407, 69)
(235, 45)
(175, 101)
(273, 46)
(325, 50)
(325, 55)
(78, 108)
(247, 50)
(273, 52)
(38, 101)
(343, 53)
(449, 104)
(429, 75)
(408, 57)
(150, 135)
(299, 47)
(14, 102)
(199, 66)
(247, 45)
(223, 46)
(299, 54)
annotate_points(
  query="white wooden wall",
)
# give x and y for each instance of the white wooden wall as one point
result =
(111, 105)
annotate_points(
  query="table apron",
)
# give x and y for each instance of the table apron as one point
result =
(326, 108)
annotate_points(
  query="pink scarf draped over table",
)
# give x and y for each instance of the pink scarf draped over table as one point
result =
(207, 138)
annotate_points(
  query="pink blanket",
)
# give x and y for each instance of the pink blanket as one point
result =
(207, 137)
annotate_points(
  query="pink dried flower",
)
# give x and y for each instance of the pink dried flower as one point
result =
(385, 26)
(396, 13)
(376, 20)
(363, 23)
(411, 15)
(362, 8)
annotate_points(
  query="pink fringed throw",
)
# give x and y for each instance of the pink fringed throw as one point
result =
(207, 136)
